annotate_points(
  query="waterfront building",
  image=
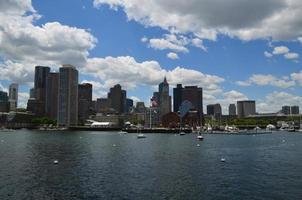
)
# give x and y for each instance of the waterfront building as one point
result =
(163, 98)
(140, 107)
(117, 99)
(84, 101)
(13, 96)
(40, 85)
(295, 110)
(285, 110)
(32, 93)
(246, 108)
(4, 104)
(152, 117)
(214, 110)
(193, 94)
(52, 95)
(68, 96)
(129, 105)
(102, 105)
(232, 109)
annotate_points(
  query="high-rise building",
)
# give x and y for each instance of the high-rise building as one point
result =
(68, 96)
(102, 105)
(41, 75)
(84, 101)
(140, 107)
(13, 96)
(295, 110)
(117, 99)
(232, 109)
(214, 110)
(192, 94)
(129, 104)
(246, 108)
(285, 110)
(163, 98)
(4, 104)
(52, 95)
(32, 94)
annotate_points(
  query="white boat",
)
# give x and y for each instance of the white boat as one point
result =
(182, 133)
(199, 137)
(122, 132)
(6, 130)
(140, 135)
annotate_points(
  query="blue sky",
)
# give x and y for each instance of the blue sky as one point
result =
(119, 41)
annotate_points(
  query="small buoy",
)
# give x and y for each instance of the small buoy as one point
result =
(283, 140)
(198, 145)
(55, 162)
(114, 145)
(222, 159)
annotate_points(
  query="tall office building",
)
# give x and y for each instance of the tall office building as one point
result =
(294, 110)
(246, 108)
(4, 104)
(68, 96)
(129, 104)
(84, 101)
(117, 99)
(52, 95)
(285, 110)
(192, 94)
(13, 96)
(140, 107)
(232, 109)
(41, 75)
(214, 109)
(32, 94)
(102, 105)
(164, 100)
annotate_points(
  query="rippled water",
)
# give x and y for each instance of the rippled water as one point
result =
(95, 165)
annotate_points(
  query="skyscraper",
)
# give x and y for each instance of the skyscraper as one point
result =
(41, 74)
(214, 109)
(4, 105)
(164, 100)
(13, 96)
(102, 105)
(294, 110)
(68, 96)
(246, 108)
(117, 99)
(232, 109)
(129, 104)
(285, 110)
(52, 95)
(84, 101)
(192, 94)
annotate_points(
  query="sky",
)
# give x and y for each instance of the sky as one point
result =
(234, 50)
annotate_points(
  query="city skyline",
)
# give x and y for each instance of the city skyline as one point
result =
(232, 65)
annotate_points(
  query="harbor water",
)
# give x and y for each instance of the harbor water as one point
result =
(108, 165)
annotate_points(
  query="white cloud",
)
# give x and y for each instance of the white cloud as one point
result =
(172, 56)
(22, 99)
(244, 19)
(144, 39)
(267, 79)
(130, 73)
(280, 50)
(300, 39)
(198, 43)
(162, 44)
(297, 77)
(24, 44)
(291, 56)
(274, 101)
(268, 54)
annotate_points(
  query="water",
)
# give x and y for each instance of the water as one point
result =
(95, 165)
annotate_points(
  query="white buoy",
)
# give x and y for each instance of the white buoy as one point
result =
(55, 162)
(222, 159)
(283, 140)
(114, 145)
(198, 145)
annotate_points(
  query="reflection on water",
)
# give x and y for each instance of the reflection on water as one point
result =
(112, 166)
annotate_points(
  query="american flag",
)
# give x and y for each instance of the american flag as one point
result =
(153, 102)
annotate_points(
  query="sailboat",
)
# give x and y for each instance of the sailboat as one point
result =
(140, 135)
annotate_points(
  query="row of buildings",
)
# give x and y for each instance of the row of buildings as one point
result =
(8, 102)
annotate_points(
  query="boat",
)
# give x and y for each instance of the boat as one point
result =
(6, 130)
(122, 132)
(199, 137)
(182, 133)
(140, 136)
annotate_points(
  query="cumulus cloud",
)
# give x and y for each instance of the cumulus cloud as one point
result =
(291, 56)
(280, 50)
(172, 56)
(267, 79)
(268, 54)
(206, 19)
(24, 44)
(126, 70)
(297, 77)
(283, 50)
(274, 101)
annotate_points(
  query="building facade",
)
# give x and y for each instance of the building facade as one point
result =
(84, 101)
(232, 110)
(4, 104)
(117, 99)
(246, 108)
(13, 96)
(214, 110)
(163, 98)
(52, 95)
(285, 110)
(68, 96)
(295, 110)
(41, 75)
